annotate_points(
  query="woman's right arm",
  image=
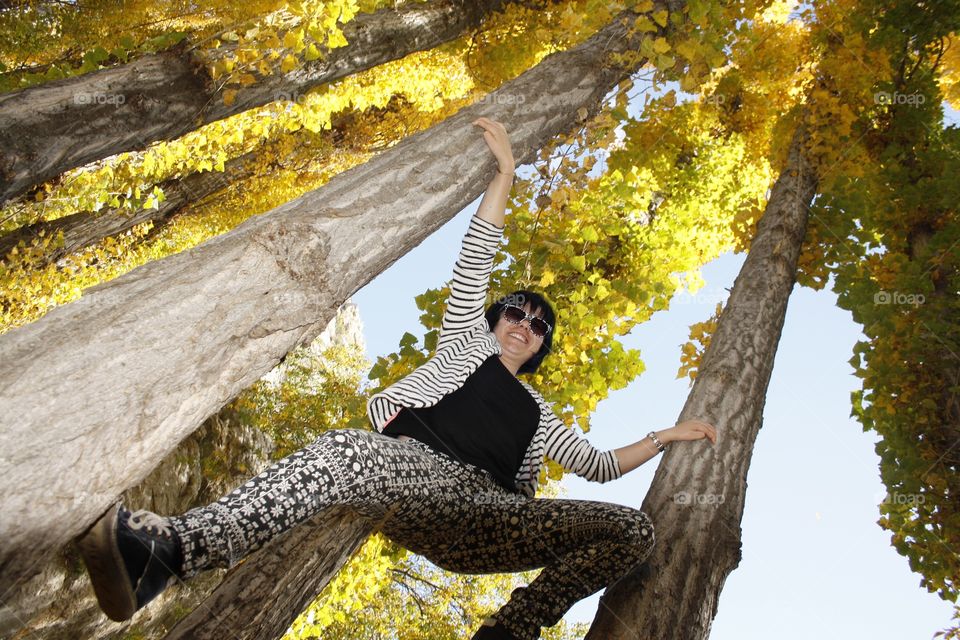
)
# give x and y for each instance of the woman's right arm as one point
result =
(493, 206)
(471, 273)
(471, 279)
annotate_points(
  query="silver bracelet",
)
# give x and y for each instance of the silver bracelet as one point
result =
(656, 441)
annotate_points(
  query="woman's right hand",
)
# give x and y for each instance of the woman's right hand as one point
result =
(690, 430)
(496, 137)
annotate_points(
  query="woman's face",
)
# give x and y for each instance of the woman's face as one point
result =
(517, 342)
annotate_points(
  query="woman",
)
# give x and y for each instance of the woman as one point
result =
(450, 472)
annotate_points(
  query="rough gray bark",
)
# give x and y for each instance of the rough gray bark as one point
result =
(58, 603)
(697, 496)
(48, 129)
(262, 596)
(86, 228)
(97, 390)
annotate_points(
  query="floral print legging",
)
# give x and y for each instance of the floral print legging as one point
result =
(452, 513)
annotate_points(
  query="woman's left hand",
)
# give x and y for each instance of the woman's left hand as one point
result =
(691, 430)
(495, 135)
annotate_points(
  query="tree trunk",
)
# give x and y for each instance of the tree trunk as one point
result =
(69, 123)
(96, 391)
(86, 228)
(697, 497)
(262, 596)
(58, 603)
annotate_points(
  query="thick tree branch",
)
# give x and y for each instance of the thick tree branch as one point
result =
(56, 126)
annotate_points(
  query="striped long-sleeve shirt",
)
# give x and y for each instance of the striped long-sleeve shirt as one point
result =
(465, 341)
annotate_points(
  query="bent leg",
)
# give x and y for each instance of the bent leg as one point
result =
(366, 470)
(583, 546)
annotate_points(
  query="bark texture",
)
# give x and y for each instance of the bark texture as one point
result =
(86, 228)
(58, 603)
(96, 391)
(697, 496)
(262, 596)
(48, 129)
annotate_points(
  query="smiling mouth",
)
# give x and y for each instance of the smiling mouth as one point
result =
(519, 337)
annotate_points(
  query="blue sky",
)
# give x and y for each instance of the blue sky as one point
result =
(815, 563)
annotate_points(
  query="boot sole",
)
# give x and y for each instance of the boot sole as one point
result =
(108, 575)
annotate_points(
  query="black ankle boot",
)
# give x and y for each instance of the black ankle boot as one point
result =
(493, 632)
(131, 558)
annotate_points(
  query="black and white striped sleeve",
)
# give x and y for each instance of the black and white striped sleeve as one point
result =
(575, 453)
(471, 278)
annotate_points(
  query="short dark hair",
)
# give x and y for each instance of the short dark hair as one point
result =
(538, 305)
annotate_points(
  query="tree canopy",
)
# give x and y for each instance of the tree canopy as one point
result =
(610, 218)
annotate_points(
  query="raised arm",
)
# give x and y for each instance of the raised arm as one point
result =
(493, 206)
(471, 273)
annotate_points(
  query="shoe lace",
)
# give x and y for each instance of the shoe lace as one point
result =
(148, 520)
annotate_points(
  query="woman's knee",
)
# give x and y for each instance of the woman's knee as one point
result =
(635, 529)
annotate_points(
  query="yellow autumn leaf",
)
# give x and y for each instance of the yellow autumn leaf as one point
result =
(293, 39)
(689, 83)
(660, 45)
(289, 64)
(336, 39)
(660, 17)
(688, 49)
(643, 24)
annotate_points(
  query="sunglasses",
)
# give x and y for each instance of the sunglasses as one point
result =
(515, 315)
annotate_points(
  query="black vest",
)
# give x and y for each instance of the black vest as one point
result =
(488, 422)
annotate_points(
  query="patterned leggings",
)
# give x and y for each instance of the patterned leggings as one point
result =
(452, 513)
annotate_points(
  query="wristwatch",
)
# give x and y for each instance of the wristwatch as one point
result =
(656, 441)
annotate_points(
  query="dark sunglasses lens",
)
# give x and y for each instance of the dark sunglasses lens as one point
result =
(538, 327)
(514, 314)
